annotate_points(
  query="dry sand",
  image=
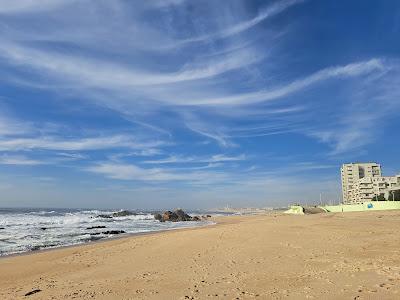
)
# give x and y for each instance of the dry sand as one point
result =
(324, 256)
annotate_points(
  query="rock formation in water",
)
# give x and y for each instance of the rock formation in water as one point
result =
(95, 227)
(177, 215)
(122, 213)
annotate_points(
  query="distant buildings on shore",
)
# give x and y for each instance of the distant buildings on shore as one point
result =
(362, 182)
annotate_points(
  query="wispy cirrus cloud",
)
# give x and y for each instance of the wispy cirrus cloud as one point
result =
(275, 184)
(19, 160)
(92, 143)
(202, 129)
(197, 159)
(370, 109)
(72, 156)
(11, 126)
(96, 74)
(30, 6)
(348, 127)
(109, 75)
(134, 173)
(148, 152)
(270, 11)
(346, 71)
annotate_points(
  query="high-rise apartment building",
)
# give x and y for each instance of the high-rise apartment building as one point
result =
(384, 188)
(352, 173)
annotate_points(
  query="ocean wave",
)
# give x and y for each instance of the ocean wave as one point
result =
(33, 230)
(136, 217)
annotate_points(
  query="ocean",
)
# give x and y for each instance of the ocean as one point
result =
(24, 230)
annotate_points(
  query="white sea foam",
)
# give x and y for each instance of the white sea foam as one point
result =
(32, 230)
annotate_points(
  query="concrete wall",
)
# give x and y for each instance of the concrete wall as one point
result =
(372, 205)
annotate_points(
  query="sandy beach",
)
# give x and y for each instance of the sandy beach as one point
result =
(273, 256)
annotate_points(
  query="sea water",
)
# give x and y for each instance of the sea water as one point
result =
(23, 230)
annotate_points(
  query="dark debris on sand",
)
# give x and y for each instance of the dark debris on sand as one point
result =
(32, 292)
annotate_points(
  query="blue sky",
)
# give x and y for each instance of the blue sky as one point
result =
(196, 104)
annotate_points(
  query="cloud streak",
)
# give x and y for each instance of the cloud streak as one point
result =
(134, 173)
(271, 11)
(30, 6)
(10, 126)
(18, 160)
(87, 144)
(110, 75)
(194, 159)
(346, 71)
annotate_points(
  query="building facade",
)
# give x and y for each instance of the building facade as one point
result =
(362, 182)
(351, 173)
(375, 188)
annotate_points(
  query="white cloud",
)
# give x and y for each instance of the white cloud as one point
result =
(364, 118)
(198, 126)
(218, 137)
(224, 158)
(187, 83)
(352, 132)
(228, 186)
(30, 6)
(95, 143)
(139, 153)
(350, 70)
(196, 159)
(10, 126)
(109, 75)
(171, 160)
(132, 172)
(272, 10)
(18, 160)
(72, 156)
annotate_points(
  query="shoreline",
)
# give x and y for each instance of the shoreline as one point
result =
(106, 239)
(270, 256)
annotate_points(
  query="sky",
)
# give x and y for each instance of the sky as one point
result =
(194, 103)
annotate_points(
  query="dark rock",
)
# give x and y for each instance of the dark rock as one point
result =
(113, 232)
(123, 213)
(49, 246)
(43, 228)
(182, 216)
(2, 228)
(32, 292)
(94, 233)
(196, 218)
(158, 217)
(205, 217)
(95, 227)
(104, 216)
(169, 216)
(175, 216)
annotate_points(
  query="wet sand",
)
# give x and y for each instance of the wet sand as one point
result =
(272, 256)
